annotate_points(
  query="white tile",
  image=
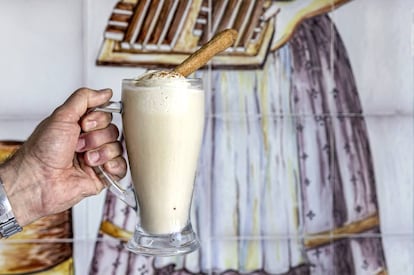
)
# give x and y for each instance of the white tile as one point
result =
(377, 38)
(391, 140)
(41, 54)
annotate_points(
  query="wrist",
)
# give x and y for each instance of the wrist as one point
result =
(8, 222)
(15, 181)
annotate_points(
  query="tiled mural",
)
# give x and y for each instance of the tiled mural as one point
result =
(307, 159)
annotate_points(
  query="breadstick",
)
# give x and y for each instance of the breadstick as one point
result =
(199, 58)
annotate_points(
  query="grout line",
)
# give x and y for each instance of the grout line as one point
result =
(332, 140)
(412, 35)
(229, 116)
(25, 117)
(85, 32)
(34, 117)
(304, 237)
(412, 104)
(276, 237)
(209, 261)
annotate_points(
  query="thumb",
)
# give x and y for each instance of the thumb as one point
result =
(82, 100)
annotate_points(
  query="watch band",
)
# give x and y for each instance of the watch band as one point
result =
(8, 223)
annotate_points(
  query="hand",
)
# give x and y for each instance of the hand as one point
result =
(52, 171)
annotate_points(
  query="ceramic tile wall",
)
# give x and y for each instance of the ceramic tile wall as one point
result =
(49, 49)
(387, 101)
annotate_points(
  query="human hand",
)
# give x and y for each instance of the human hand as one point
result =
(53, 171)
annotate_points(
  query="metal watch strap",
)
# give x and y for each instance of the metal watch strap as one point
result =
(8, 223)
(10, 228)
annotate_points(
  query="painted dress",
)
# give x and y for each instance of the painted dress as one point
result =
(285, 183)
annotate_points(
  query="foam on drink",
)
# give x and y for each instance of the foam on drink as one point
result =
(160, 75)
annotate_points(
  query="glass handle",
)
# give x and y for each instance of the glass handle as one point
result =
(110, 107)
(126, 195)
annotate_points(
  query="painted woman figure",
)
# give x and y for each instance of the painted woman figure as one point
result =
(285, 182)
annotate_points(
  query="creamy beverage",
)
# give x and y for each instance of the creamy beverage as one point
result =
(163, 119)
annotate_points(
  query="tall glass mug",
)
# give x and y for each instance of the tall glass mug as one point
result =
(163, 123)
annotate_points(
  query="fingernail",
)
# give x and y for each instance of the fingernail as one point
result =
(113, 164)
(106, 90)
(90, 124)
(81, 144)
(93, 156)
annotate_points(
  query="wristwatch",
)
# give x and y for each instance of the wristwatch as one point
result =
(8, 223)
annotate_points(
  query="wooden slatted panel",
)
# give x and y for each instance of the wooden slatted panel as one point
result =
(178, 22)
(137, 21)
(148, 22)
(156, 24)
(202, 25)
(243, 16)
(164, 21)
(219, 8)
(228, 17)
(119, 21)
(253, 26)
(151, 26)
(241, 24)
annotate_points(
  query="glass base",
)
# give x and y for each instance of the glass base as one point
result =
(173, 244)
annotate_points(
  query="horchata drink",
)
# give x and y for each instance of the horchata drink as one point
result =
(163, 120)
